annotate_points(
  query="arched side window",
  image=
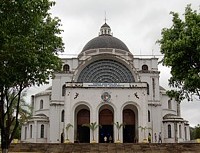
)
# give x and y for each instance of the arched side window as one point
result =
(180, 132)
(31, 131)
(185, 133)
(25, 135)
(169, 131)
(41, 104)
(145, 67)
(169, 104)
(62, 116)
(147, 89)
(63, 90)
(42, 131)
(66, 68)
(153, 85)
(149, 116)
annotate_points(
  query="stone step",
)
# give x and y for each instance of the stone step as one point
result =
(104, 148)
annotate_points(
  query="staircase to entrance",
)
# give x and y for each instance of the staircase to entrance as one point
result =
(105, 148)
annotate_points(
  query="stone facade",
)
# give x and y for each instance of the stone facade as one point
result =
(106, 85)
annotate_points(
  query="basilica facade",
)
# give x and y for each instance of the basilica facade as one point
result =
(107, 86)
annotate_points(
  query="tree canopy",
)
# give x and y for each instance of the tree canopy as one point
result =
(29, 43)
(195, 132)
(180, 45)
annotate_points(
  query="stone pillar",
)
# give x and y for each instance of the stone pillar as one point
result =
(35, 132)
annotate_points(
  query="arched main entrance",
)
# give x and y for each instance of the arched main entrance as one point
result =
(129, 135)
(83, 132)
(106, 122)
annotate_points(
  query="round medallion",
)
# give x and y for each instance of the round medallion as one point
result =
(106, 97)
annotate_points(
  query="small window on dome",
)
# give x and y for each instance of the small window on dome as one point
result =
(66, 68)
(145, 67)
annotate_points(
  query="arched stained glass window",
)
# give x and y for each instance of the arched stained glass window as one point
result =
(106, 71)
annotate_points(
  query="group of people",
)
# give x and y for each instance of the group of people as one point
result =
(149, 138)
(155, 138)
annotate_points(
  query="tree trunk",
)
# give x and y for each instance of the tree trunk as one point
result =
(4, 150)
(4, 146)
(4, 142)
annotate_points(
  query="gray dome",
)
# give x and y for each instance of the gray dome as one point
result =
(105, 41)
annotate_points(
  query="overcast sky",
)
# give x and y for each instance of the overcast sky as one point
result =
(138, 23)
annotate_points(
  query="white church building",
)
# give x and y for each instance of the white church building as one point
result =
(105, 84)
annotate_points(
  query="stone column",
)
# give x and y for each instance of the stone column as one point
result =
(35, 131)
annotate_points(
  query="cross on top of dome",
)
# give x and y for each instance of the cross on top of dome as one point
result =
(105, 29)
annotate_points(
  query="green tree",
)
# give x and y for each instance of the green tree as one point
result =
(93, 127)
(192, 134)
(29, 43)
(180, 45)
(119, 126)
(197, 132)
(25, 112)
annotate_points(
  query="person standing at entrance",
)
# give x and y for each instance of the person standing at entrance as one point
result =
(105, 139)
(110, 139)
(149, 138)
(160, 138)
(155, 137)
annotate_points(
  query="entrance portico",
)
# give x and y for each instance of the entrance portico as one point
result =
(107, 106)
